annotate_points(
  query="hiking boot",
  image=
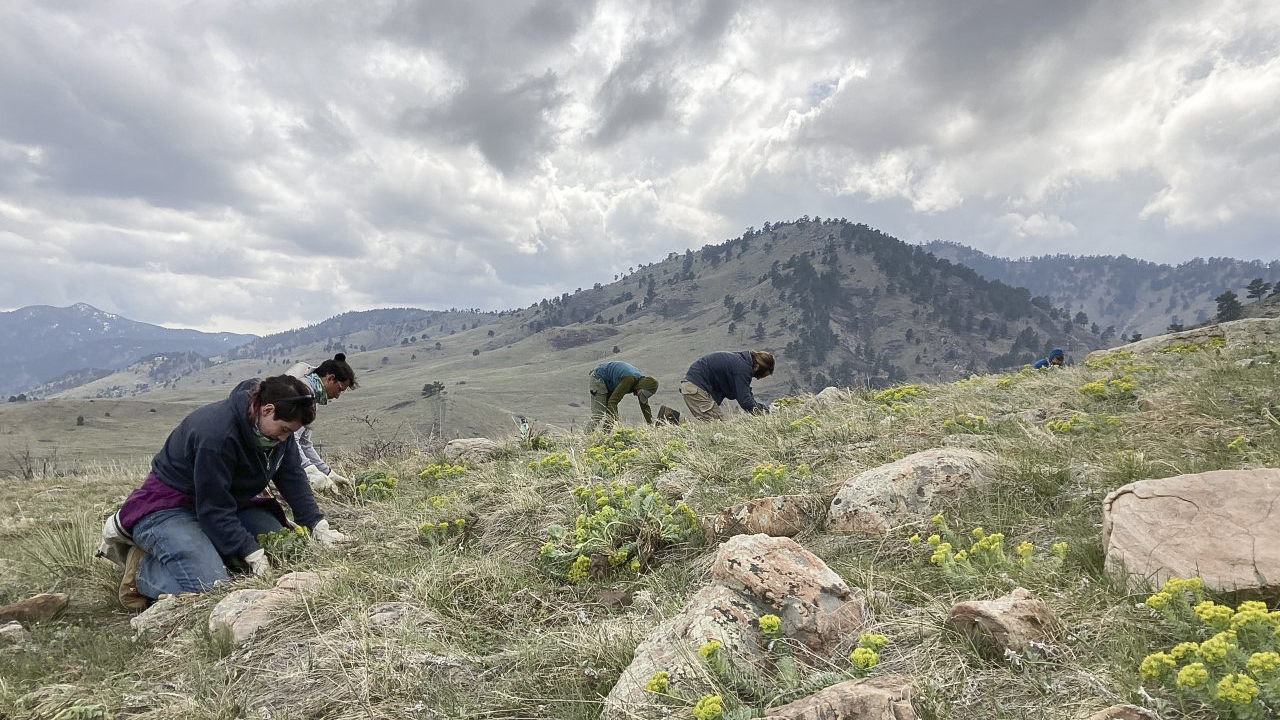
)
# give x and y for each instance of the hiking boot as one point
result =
(130, 598)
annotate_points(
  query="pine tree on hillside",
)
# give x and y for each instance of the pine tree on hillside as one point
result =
(1229, 307)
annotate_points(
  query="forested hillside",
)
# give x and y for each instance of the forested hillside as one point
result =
(1121, 295)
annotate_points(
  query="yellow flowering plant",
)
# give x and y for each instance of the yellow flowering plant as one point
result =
(965, 423)
(620, 530)
(375, 484)
(1227, 659)
(967, 558)
(777, 477)
(554, 463)
(439, 532)
(612, 454)
(437, 471)
(286, 545)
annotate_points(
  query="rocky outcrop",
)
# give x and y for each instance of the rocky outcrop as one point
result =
(1220, 525)
(242, 613)
(786, 515)
(469, 450)
(1237, 333)
(880, 698)
(874, 501)
(1017, 622)
(752, 575)
(35, 609)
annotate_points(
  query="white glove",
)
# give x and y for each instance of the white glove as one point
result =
(341, 481)
(258, 562)
(319, 481)
(327, 537)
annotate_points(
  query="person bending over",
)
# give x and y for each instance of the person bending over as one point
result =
(328, 381)
(199, 512)
(713, 378)
(1055, 358)
(612, 381)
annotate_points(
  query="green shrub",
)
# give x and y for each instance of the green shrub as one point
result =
(620, 531)
(285, 546)
(375, 485)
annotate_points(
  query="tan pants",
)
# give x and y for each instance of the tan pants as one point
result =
(701, 406)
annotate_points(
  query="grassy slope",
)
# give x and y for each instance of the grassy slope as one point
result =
(548, 649)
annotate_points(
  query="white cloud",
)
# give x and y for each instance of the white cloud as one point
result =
(1037, 225)
(259, 167)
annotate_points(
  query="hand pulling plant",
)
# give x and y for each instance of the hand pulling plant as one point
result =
(286, 545)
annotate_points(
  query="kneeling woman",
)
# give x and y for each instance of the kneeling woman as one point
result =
(198, 512)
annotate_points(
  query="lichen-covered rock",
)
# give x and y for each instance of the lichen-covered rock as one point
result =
(886, 697)
(875, 500)
(753, 575)
(1016, 622)
(815, 605)
(784, 515)
(469, 450)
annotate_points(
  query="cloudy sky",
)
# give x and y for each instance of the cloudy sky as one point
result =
(260, 165)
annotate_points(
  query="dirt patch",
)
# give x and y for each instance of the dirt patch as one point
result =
(565, 338)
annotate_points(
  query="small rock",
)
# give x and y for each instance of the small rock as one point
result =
(160, 617)
(1015, 622)
(242, 613)
(12, 633)
(785, 516)
(398, 614)
(469, 450)
(614, 598)
(885, 697)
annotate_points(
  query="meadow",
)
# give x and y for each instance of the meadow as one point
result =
(500, 627)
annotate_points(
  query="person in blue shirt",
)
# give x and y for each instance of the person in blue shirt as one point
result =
(713, 378)
(612, 381)
(1055, 358)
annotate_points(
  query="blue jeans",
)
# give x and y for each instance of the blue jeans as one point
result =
(180, 557)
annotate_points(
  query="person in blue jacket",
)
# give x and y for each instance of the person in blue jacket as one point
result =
(199, 511)
(713, 378)
(612, 381)
(1055, 358)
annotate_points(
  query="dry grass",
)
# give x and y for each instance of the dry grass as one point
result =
(487, 636)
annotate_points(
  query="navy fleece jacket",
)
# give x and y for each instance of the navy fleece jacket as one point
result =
(213, 457)
(725, 375)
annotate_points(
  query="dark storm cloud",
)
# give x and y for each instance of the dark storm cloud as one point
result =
(100, 129)
(259, 166)
(478, 36)
(643, 86)
(510, 125)
(635, 94)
